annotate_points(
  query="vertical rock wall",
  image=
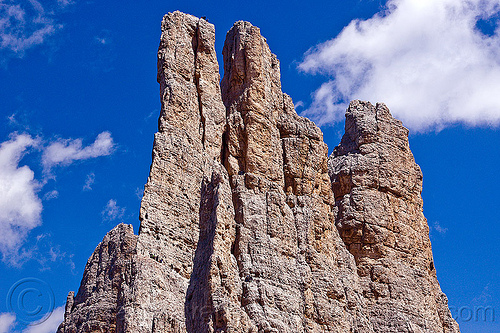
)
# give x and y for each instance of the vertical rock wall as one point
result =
(297, 275)
(186, 150)
(377, 187)
(247, 226)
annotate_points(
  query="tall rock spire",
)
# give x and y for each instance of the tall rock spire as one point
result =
(187, 197)
(244, 228)
(298, 276)
(186, 152)
(377, 187)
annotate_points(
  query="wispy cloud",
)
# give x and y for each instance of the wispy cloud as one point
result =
(46, 253)
(104, 52)
(104, 37)
(50, 325)
(112, 211)
(152, 114)
(54, 194)
(89, 182)
(65, 3)
(299, 104)
(20, 201)
(23, 25)
(139, 192)
(20, 206)
(426, 59)
(66, 151)
(7, 321)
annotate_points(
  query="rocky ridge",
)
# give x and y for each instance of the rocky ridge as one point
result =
(248, 226)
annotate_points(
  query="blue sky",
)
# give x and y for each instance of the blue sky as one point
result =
(79, 106)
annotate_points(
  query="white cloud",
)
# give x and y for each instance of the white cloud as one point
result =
(7, 321)
(20, 203)
(112, 211)
(299, 104)
(20, 206)
(66, 151)
(89, 182)
(24, 24)
(50, 325)
(424, 58)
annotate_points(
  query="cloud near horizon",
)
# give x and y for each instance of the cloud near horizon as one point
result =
(426, 59)
(7, 321)
(50, 325)
(20, 203)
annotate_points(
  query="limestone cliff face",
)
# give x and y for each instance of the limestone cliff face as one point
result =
(105, 284)
(377, 187)
(248, 226)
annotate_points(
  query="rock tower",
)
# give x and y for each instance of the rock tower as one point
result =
(248, 226)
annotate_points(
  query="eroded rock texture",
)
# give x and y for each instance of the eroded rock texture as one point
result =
(247, 226)
(105, 284)
(377, 187)
(298, 276)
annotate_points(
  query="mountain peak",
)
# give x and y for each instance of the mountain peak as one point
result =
(248, 226)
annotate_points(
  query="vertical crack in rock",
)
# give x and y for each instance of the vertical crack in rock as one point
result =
(247, 226)
(297, 274)
(377, 187)
(197, 73)
(170, 207)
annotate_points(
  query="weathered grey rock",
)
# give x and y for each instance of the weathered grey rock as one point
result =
(105, 284)
(239, 216)
(186, 152)
(298, 276)
(377, 187)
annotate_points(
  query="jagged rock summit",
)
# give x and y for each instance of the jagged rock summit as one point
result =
(248, 226)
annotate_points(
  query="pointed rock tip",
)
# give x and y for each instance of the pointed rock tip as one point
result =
(171, 15)
(365, 122)
(178, 15)
(243, 28)
(242, 25)
(122, 228)
(359, 107)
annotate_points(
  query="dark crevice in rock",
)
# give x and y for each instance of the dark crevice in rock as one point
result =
(195, 44)
(224, 152)
(198, 304)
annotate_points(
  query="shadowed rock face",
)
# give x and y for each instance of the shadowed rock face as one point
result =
(248, 226)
